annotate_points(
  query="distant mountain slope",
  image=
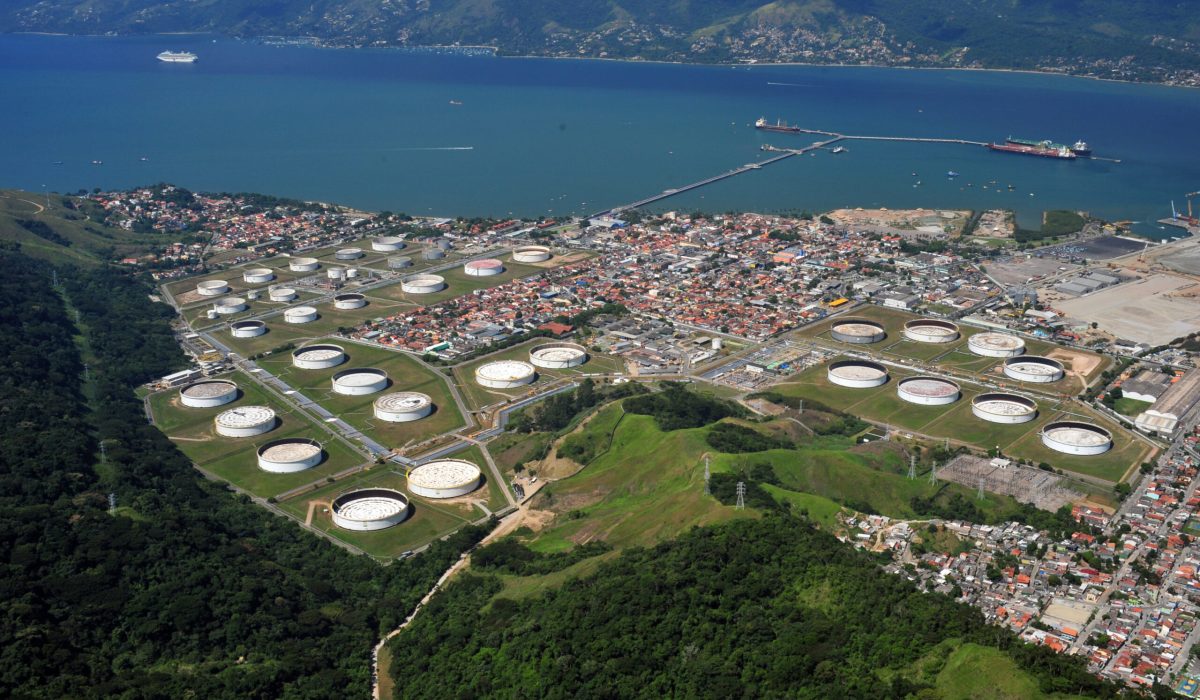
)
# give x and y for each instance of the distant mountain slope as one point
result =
(1121, 38)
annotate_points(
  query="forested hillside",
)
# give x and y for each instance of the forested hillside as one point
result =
(766, 608)
(184, 590)
(1143, 38)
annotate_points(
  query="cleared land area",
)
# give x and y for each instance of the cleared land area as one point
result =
(405, 374)
(1152, 310)
(235, 459)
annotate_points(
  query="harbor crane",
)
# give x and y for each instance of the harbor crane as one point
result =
(1190, 218)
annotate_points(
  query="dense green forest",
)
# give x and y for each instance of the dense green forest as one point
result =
(1063, 34)
(184, 590)
(751, 609)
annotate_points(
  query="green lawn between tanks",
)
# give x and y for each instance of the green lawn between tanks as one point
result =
(954, 354)
(427, 520)
(406, 374)
(478, 396)
(459, 283)
(955, 421)
(329, 320)
(235, 459)
(197, 316)
(511, 449)
(233, 275)
(649, 486)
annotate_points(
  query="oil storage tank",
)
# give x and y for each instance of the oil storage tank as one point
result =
(859, 331)
(403, 407)
(369, 509)
(322, 356)
(245, 421)
(505, 374)
(1076, 438)
(290, 455)
(208, 393)
(857, 374)
(1033, 369)
(444, 478)
(558, 355)
(360, 381)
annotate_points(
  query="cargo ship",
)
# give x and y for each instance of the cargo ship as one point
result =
(779, 125)
(1038, 150)
(1080, 148)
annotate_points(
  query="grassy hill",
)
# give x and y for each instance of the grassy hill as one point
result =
(993, 33)
(65, 229)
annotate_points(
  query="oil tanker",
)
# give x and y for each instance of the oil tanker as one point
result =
(1038, 150)
(780, 126)
(1080, 148)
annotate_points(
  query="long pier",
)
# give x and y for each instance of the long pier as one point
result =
(783, 153)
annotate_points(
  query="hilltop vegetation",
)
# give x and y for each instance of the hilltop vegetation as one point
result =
(67, 229)
(183, 590)
(1131, 39)
(752, 608)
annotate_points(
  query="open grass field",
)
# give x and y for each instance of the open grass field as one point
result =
(478, 396)
(183, 290)
(328, 321)
(427, 519)
(965, 670)
(459, 283)
(510, 449)
(405, 373)
(1082, 366)
(956, 422)
(197, 316)
(234, 459)
(649, 486)
(68, 234)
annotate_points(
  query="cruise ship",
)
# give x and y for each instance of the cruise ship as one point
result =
(177, 57)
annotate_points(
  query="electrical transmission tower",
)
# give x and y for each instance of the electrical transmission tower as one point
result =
(741, 494)
(112, 503)
(980, 494)
(707, 476)
(912, 467)
(933, 473)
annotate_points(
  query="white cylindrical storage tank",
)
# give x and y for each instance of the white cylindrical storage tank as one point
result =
(992, 344)
(716, 343)
(369, 509)
(336, 274)
(349, 301)
(321, 356)
(212, 288)
(433, 254)
(403, 407)
(928, 391)
(304, 264)
(998, 407)
(444, 244)
(290, 455)
(505, 374)
(1032, 368)
(257, 275)
(423, 284)
(930, 330)
(211, 314)
(444, 478)
(245, 421)
(558, 355)
(300, 314)
(252, 295)
(399, 262)
(281, 294)
(247, 329)
(483, 268)
(386, 244)
(348, 254)
(857, 374)
(230, 305)
(1075, 438)
(531, 254)
(859, 331)
(208, 393)
(351, 273)
(360, 381)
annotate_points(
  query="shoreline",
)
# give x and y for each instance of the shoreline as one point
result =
(316, 42)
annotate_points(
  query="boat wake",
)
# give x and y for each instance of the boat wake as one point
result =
(790, 84)
(431, 148)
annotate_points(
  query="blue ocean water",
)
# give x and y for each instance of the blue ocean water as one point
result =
(377, 129)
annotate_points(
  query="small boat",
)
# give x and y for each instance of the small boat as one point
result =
(58, 162)
(97, 162)
(839, 149)
(456, 103)
(144, 159)
(951, 173)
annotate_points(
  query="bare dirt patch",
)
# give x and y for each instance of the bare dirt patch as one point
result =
(1080, 364)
